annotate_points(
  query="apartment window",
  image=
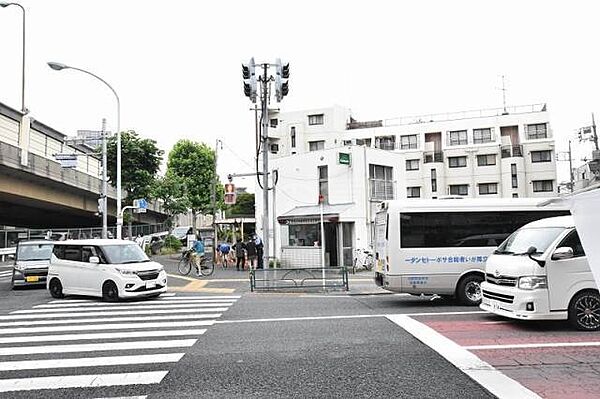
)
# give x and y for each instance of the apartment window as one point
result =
(515, 195)
(365, 142)
(385, 142)
(412, 164)
(315, 145)
(316, 119)
(382, 183)
(537, 131)
(486, 160)
(273, 122)
(293, 136)
(459, 189)
(513, 175)
(541, 156)
(458, 137)
(433, 180)
(481, 136)
(323, 183)
(542, 186)
(347, 142)
(409, 142)
(488, 188)
(457, 162)
(413, 192)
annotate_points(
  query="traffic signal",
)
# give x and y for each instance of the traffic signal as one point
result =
(100, 206)
(281, 79)
(230, 195)
(249, 76)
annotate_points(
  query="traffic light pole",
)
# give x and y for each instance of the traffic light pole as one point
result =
(104, 185)
(265, 153)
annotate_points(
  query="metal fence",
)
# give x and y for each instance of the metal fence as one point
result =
(299, 279)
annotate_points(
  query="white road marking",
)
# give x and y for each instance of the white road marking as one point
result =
(81, 381)
(111, 320)
(491, 379)
(105, 326)
(117, 335)
(90, 362)
(532, 346)
(110, 313)
(109, 346)
(6, 273)
(126, 397)
(125, 304)
(171, 297)
(134, 307)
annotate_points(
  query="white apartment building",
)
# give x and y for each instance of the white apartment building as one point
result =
(486, 153)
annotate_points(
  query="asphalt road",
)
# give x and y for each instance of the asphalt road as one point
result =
(262, 345)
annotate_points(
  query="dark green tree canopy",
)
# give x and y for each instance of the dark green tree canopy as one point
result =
(140, 161)
(171, 190)
(244, 205)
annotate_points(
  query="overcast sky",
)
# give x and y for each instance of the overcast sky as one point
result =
(176, 64)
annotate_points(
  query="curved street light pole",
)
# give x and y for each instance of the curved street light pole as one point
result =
(23, 109)
(58, 67)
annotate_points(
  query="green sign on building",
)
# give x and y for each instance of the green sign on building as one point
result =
(343, 158)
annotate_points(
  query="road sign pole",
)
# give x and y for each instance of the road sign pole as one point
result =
(104, 185)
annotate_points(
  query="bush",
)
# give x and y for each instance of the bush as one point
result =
(172, 242)
(274, 263)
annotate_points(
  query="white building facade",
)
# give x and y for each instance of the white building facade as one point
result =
(355, 165)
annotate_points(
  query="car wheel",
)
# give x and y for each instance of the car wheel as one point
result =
(110, 292)
(584, 311)
(56, 289)
(469, 290)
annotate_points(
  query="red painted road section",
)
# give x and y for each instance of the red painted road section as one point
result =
(555, 373)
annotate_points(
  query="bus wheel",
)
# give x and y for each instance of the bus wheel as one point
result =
(469, 290)
(584, 311)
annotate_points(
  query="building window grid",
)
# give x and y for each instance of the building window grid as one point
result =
(412, 164)
(381, 182)
(543, 186)
(459, 189)
(457, 162)
(293, 136)
(513, 175)
(316, 119)
(541, 156)
(316, 145)
(385, 143)
(481, 136)
(433, 180)
(537, 131)
(409, 142)
(486, 160)
(458, 137)
(324, 183)
(273, 122)
(413, 192)
(488, 188)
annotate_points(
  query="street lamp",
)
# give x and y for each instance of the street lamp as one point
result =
(59, 67)
(23, 109)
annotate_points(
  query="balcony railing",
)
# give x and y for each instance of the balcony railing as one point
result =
(509, 151)
(430, 157)
(382, 189)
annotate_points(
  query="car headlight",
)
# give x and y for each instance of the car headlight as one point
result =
(127, 272)
(533, 282)
(160, 269)
(19, 267)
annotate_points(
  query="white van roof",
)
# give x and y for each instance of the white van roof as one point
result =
(557, 221)
(469, 204)
(96, 241)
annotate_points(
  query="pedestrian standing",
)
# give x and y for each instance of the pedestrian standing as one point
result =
(224, 249)
(239, 248)
(259, 251)
(251, 250)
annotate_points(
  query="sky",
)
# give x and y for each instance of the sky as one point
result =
(176, 65)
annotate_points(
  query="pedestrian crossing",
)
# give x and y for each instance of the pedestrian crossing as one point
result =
(92, 345)
(5, 274)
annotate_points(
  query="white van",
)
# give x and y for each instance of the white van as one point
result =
(110, 269)
(541, 273)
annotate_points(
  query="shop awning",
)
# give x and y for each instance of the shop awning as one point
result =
(312, 214)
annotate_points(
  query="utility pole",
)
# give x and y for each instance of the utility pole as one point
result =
(594, 135)
(571, 168)
(213, 197)
(104, 183)
(265, 155)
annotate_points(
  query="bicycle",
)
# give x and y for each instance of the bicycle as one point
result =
(363, 258)
(188, 259)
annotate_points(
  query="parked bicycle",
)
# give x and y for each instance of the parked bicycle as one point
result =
(190, 260)
(363, 258)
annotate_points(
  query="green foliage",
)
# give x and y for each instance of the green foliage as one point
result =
(274, 263)
(194, 164)
(140, 161)
(171, 190)
(244, 206)
(172, 242)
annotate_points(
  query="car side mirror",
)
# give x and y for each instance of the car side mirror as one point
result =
(94, 259)
(562, 253)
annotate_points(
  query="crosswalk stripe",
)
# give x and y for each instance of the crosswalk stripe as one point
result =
(122, 304)
(82, 381)
(111, 319)
(127, 307)
(6, 273)
(162, 297)
(119, 326)
(117, 335)
(90, 362)
(109, 346)
(113, 313)
(126, 397)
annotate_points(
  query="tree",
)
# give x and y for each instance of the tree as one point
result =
(194, 163)
(170, 189)
(140, 161)
(244, 205)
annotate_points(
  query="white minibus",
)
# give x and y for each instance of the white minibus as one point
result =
(541, 273)
(439, 247)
